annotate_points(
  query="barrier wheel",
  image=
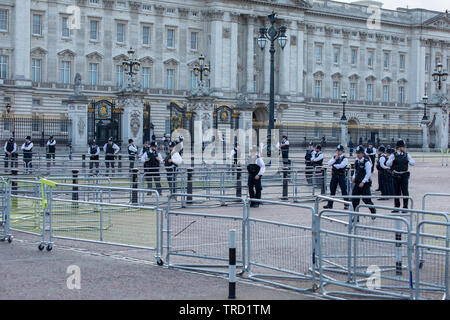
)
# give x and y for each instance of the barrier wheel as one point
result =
(49, 247)
(9, 239)
(159, 262)
(41, 247)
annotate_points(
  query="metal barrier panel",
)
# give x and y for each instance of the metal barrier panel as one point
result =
(432, 260)
(5, 195)
(199, 241)
(365, 257)
(281, 253)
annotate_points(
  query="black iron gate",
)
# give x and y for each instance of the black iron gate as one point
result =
(104, 121)
(148, 127)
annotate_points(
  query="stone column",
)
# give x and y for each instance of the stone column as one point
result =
(300, 68)
(22, 39)
(78, 113)
(267, 68)
(250, 52)
(132, 117)
(284, 60)
(234, 18)
(216, 17)
(425, 144)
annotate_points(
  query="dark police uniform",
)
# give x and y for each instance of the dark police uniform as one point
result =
(27, 148)
(308, 164)
(382, 186)
(11, 147)
(132, 151)
(110, 150)
(51, 151)
(171, 169)
(372, 154)
(317, 161)
(151, 169)
(399, 163)
(94, 156)
(338, 177)
(362, 170)
(387, 175)
(285, 150)
(255, 167)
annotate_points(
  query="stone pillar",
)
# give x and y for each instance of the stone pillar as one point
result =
(78, 113)
(344, 133)
(425, 144)
(267, 68)
(216, 17)
(285, 61)
(22, 39)
(250, 52)
(234, 17)
(132, 117)
(300, 67)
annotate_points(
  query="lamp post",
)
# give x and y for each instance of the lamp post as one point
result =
(439, 75)
(201, 68)
(344, 101)
(425, 102)
(272, 34)
(130, 63)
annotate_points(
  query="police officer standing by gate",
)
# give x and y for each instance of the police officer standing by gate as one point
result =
(171, 162)
(381, 171)
(317, 160)
(338, 164)
(51, 151)
(11, 154)
(308, 162)
(94, 157)
(27, 148)
(152, 160)
(361, 178)
(399, 162)
(284, 146)
(387, 174)
(110, 149)
(256, 169)
(132, 151)
(371, 153)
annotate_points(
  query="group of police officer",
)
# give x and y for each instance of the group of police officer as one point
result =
(392, 166)
(148, 155)
(12, 154)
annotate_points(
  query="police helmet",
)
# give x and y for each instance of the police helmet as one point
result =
(319, 147)
(130, 140)
(340, 147)
(390, 150)
(28, 138)
(381, 148)
(110, 139)
(310, 143)
(359, 149)
(153, 144)
(400, 143)
(172, 144)
(369, 142)
(181, 138)
(284, 137)
(11, 139)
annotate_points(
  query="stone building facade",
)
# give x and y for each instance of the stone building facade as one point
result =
(383, 65)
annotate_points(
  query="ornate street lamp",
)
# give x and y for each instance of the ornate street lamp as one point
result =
(425, 102)
(131, 64)
(271, 34)
(344, 101)
(439, 75)
(201, 68)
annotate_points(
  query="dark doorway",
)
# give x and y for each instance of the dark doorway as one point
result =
(104, 121)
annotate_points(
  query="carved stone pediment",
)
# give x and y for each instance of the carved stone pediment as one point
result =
(95, 56)
(146, 60)
(171, 62)
(66, 54)
(38, 51)
(441, 21)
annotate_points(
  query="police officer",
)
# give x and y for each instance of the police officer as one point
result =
(234, 154)
(399, 162)
(381, 171)
(338, 164)
(284, 146)
(94, 156)
(110, 149)
(256, 169)
(351, 146)
(27, 149)
(317, 160)
(132, 151)
(171, 163)
(11, 154)
(145, 148)
(372, 154)
(152, 160)
(51, 150)
(308, 162)
(387, 177)
(361, 178)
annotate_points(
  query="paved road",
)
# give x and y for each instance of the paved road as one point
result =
(109, 272)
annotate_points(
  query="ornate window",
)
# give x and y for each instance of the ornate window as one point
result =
(402, 61)
(4, 67)
(66, 58)
(386, 59)
(3, 20)
(318, 53)
(38, 59)
(146, 35)
(336, 54)
(354, 56)
(37, 24)
(94, 60)
(65, 31)
(370, 58)
(171, 67)
(120, 32)
(146, 71)
(170, 38)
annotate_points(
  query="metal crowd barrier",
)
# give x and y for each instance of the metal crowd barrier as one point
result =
(199, 241)
(362, 257)
(432, 279)
(4, 211)
(280, 253)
